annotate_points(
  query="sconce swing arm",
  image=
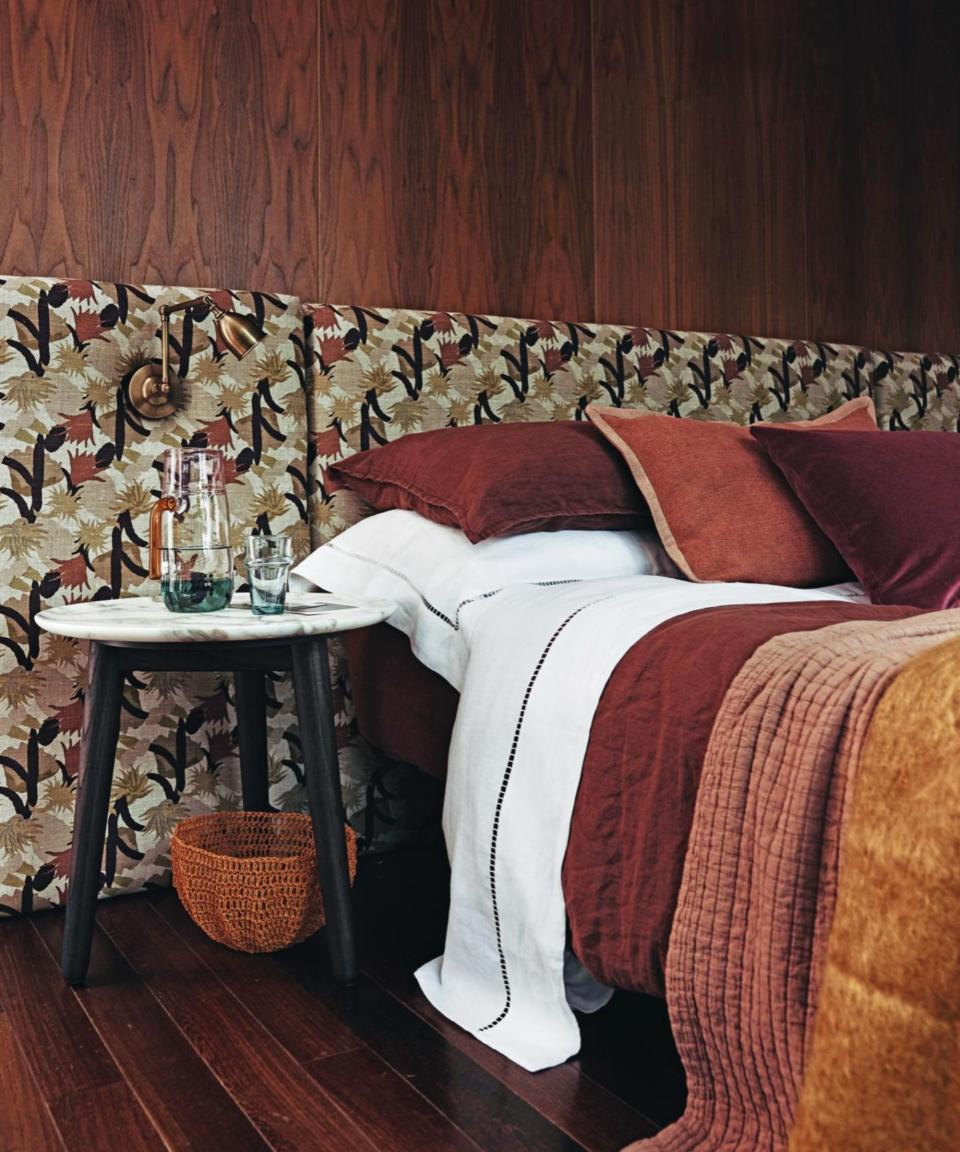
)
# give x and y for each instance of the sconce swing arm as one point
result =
(150, 391)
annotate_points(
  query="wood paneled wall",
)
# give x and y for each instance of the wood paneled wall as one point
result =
(170, 141)
(456, 155)
(788, 167)
(781, 168)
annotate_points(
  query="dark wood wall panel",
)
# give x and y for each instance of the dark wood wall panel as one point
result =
(781, 168)
(106, 174)
(883, 156)
(34, 92)
(788, 168)
(358, 91)
(635, 71)
(160, 140)
(455, 154)
(699, 164)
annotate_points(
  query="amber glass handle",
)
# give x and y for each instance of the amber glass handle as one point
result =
(164, 504)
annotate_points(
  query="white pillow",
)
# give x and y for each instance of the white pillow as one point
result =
(434, 573)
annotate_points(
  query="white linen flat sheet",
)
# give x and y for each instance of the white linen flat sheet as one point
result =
(538, 660)
(432, 572)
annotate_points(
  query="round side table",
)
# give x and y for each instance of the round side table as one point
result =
(138, 634)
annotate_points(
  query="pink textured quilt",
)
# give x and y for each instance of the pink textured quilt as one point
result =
(760, 881)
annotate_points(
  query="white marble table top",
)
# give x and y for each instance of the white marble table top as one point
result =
(145, 620)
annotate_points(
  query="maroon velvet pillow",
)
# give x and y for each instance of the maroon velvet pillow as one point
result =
(889, 504)
(500, 479)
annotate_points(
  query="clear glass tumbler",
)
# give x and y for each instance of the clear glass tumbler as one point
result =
(268, 560)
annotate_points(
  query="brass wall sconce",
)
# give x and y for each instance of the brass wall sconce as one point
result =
(150, 392)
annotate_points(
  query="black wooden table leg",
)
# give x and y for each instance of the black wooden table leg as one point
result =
(101, 726)
(252, 731)
(311, 681)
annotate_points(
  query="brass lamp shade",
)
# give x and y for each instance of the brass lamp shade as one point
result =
(150, 391)
(238, 333)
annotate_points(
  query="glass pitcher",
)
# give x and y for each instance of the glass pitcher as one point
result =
(190, 549)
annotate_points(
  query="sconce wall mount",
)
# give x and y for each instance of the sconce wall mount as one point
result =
(150, 391)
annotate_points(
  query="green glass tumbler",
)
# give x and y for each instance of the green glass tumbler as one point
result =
(268, 560)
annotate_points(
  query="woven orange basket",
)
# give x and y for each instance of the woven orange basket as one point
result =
(249, 879)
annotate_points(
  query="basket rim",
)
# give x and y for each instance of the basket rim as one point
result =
(243, 814)
(309, 850)
(211, 855)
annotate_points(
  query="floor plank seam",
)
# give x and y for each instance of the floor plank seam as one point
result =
(601, 1088)
(56, 1104)
(117, 1063)
(413, 1088)
(36, 1083)
(576, 1146)
(361, 1044)
(265, 1136)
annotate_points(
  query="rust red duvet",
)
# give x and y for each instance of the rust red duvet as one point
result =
(634, 808)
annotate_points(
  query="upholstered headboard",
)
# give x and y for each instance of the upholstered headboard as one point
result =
(377, 374)
(78, 474)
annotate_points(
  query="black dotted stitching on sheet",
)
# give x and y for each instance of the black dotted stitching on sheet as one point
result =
(455, 623)
(497, 591)
(400, 576)
(508, 995)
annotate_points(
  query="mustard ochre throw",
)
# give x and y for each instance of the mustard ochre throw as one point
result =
(884, 1067)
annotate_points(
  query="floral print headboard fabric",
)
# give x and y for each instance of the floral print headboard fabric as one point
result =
(917, 390)
(78, 474)
(377, 374)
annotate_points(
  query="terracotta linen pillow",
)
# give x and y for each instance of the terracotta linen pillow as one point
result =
(889, 504)
(723, 511)
(500, 479)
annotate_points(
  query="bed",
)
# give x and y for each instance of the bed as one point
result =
(618, 743)
(658, 687)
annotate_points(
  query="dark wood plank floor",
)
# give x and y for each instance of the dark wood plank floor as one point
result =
(179, 1043)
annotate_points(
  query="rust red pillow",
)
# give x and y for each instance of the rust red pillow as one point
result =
(888, 503)
(500, 479)
(722, 509)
